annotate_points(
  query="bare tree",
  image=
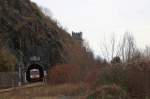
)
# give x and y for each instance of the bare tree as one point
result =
(127, 47)
(104, 50)
(146, 52)
(113, 45)
(109, 49)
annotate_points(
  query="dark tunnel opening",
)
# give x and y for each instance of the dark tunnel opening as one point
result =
(35, 73)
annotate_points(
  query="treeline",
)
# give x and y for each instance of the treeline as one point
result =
(124, 74)
(123, 49)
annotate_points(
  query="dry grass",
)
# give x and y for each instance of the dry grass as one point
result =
(26, 97)
(108, 92)
(46, 92)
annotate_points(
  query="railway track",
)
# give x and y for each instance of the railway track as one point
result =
(22, 87)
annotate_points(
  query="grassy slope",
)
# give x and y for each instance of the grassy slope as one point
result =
(75, 91)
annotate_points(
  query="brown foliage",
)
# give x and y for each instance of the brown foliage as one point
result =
(7, 61)
(92, 75)
(108, 92)
(139, 79)
(64, 73)
(113, 74)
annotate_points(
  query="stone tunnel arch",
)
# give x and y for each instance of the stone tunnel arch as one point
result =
(34, 73)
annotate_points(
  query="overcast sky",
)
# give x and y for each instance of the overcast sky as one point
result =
(100, 18)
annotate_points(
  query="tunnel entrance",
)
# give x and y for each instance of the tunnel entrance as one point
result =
(34, 73)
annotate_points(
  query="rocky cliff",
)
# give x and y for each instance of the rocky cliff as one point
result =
(23, 27)
(25, 31)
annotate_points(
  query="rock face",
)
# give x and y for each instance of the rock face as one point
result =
(27, 32)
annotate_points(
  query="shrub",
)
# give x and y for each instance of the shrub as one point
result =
(113, 74)
(116, 60)
(7, 61)
(139, 79)
(92, 75)
(64, 73)
(108, 92)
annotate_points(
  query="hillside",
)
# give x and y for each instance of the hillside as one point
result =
(25, 32)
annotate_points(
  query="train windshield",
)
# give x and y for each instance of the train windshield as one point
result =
(34, 73)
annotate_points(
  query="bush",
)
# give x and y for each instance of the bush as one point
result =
(108, 92)
(64, 73)
(92, 75)
(131, 77)
(7, 61)
(113, 74)
(139, 79)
